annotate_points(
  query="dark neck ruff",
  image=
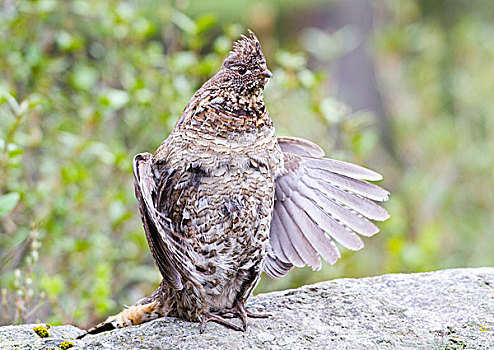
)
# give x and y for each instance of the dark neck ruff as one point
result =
(227, 112)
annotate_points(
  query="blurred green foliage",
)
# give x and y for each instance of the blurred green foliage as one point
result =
(85, 85)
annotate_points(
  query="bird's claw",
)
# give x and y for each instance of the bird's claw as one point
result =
(238, 310)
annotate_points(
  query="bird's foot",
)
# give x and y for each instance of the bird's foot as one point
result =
(239, 310)
(215, 317)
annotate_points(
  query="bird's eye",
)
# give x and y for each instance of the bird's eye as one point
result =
(242, 70)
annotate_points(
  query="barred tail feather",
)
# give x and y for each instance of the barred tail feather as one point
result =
(133, 315)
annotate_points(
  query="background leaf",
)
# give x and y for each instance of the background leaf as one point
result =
(8, 202)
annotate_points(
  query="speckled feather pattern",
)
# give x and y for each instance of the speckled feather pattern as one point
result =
(221, 196)
(220, 161)
(223, 199)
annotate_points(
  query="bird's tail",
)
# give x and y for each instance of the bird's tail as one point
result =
(144, 310)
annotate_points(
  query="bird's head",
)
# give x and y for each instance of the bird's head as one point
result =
(244, 70)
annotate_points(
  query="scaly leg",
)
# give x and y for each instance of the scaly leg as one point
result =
(233, 312)
(239, 310)
(214, 317)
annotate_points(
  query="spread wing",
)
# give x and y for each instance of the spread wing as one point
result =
(318, 202)
(169, 249)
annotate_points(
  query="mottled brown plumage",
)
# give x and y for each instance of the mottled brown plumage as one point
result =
(223, 199)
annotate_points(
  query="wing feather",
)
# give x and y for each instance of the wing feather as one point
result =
(319, 201)
(344, 182)
(170, 249)
(300, 146)
(275, 268)
(290, 251)
(345, 215)
(145, 188)
(318, 239)
(354, 201)
(274, 240)
(343, 168)
(328, 224)
(305, 249)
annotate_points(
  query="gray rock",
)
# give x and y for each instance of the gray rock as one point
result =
(450, 309)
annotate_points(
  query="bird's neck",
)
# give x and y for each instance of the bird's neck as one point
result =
(242, 103)
(240, 112)
(225, 112)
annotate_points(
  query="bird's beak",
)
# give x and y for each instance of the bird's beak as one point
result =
(266, 74)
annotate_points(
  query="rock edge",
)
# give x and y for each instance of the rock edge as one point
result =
(448, 309)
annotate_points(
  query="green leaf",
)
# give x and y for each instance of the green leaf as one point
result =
(115, 98)
(289, 60)
(68, 41)
(205, 22)
(84, 77)
(52, 285)
(102, 288)
(222, 45)
(333, 110)
(8, 202)
(184, 22)
(184, 60)
(5, 96)
(15, 152)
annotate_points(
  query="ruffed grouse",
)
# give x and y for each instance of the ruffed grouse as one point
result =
(223, 199)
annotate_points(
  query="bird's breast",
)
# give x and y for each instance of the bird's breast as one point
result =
(222, 192)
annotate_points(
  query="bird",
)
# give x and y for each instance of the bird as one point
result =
(223, 199)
